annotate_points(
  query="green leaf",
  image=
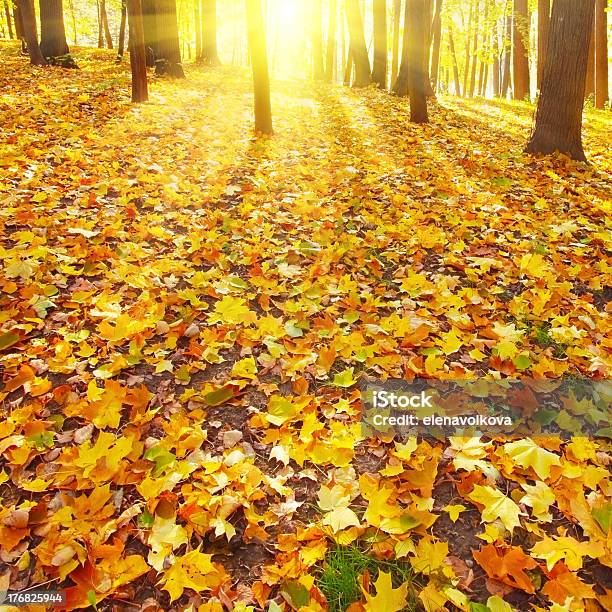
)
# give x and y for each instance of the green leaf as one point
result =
(218, 397)
(345, 378)
(8, 339)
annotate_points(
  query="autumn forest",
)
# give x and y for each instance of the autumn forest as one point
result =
(305, 305)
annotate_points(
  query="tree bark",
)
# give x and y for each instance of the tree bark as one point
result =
(168, 62)
(429, 92)
(397, 11)
(543, 27)
(121, 42)
(601, 54)
(506, 74)
(210, 54)
(484, 59)
(317, 40)
(28, 21)
(400, 87)
(259, 63)
(107, 33)
(52, 33)
(348, 68)
(149, 21)
(558, 120)
(100, 27)
(18, 21)
(330, 59)
(496, 63)
(474, 63)
(198, 30)
(435, 52)
(520, 56)
(379, 69)
(451, 46)
(9, 21)
(138, 62)
(468, 42)
(358, 45)
(589, 87)
(418, 53)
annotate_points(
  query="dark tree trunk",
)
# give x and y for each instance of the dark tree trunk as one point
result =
(379, 70)
(138, 62)
(558, 120)
(52, 33)
(418, 52)
(259, 63)
(429, 92)
(330, 59)
(100, 26)
(210, 54)
(400, 86)
(317, 39)
(358, 45)
(484, 63)
(520, 54)
(149, 20)
(9, 21)
(601, 54)
(589, 87)
(543, 26)
(496, 63)
(451, 46)
(436, 28)
(104, 18)
(19, 25)
(30, 34)
(168, 62)
(474, 52)
(507, 64)
(397, 14)
(348, 68)
(121, 43)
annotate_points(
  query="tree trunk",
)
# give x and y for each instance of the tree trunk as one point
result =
(121, 42)
(52, 33)
(138, 62)
(358, 45)
(429, 92)
(259, 62)
(543, 26)
(507, 64)
(496, 64)
(104, 18)
(28, 21)
(468, 42)
(330, 60)
(198, 30)
(520, 57)
(168, 61)
(18, 21)
(348, 68)
(149, 21)
(379, 68)
(451, 45)
(210, 54)
(317, 40)
(400, 87)
(558, 120)
(397, 10)
(436, 27)
(601, 54)
(418, 53)
(474, 52)
(100, 26)
(9, 22)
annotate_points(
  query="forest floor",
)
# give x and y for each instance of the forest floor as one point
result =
(186, 313)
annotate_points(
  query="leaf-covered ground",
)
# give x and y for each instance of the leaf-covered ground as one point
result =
(185, 312)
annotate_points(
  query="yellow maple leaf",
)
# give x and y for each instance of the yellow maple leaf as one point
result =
(231, 310)
(194, 570)
(528, 454)
(387, 598)
(570, 550)
(429, 557)
(496, 506)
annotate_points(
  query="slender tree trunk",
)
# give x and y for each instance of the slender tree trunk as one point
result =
(400, 87)
(317, 40)
(589, 87)
(348, 67)
(474, 52)
(418, 54)
(259, 61)
(138, 61)
(104, 18)
(18, 22)
(484, 59)
(73, 18)
(210, 54)
(451, 45)
(520, 57)
(543, 27)
(468, 42)
(28, 20)
(429, 92)
(9, 21)
(358, 45)
(397, 10)
(601, 54)
(330, 59)
(121, 42)
(100, 26)
(435, 52)
(169, 60)
(496, 63)
(507, 54)
(379, 71)
(558, 120)
(149, 20)
(198, 30)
